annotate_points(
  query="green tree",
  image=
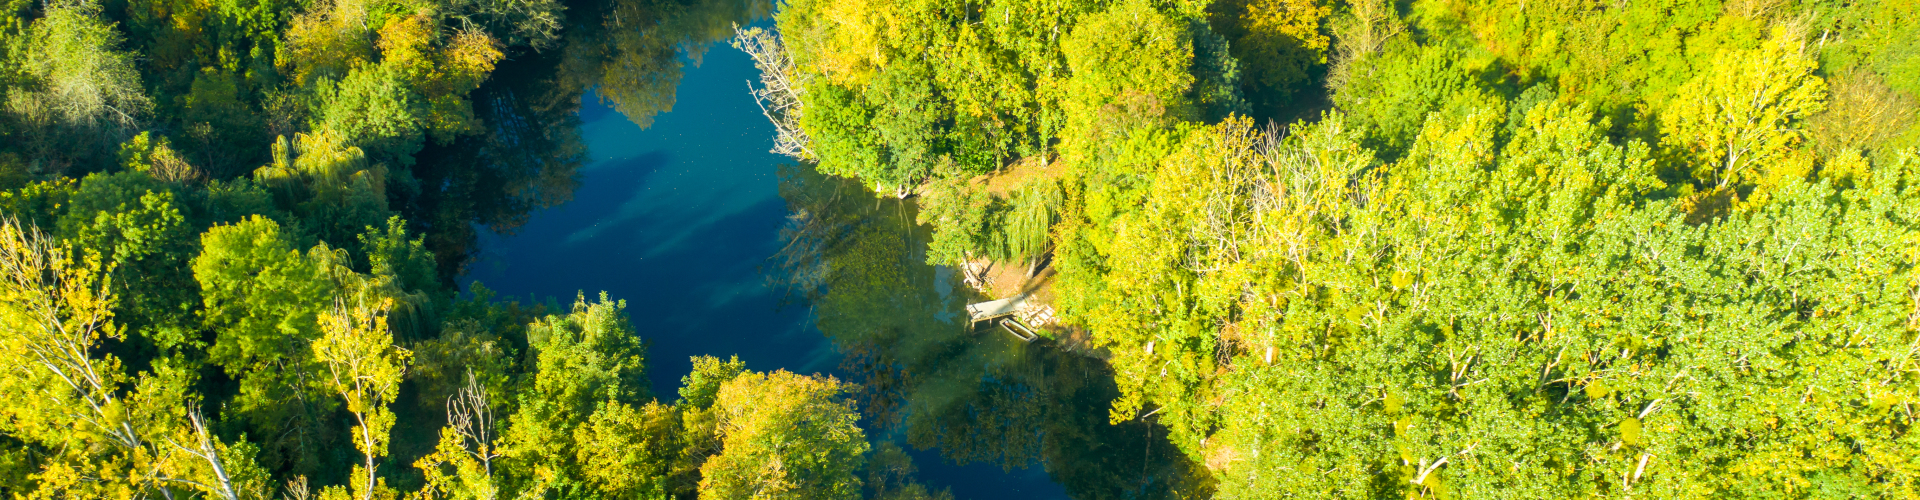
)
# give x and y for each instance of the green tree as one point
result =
(1131, 47)
(700, 387)
(961, 216)
(137, 223)
(39, 203)
(699, 424)
(840, 125)
(371, 108)
(580, 361)
(262, 300)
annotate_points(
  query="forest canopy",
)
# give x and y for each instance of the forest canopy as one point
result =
(1328, 248)
(229, 237)
(1471, 248)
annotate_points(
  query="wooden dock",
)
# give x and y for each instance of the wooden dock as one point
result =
(994, 309)
(1004, 311)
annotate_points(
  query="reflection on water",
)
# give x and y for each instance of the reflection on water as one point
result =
(974, 396)
(677, 217)
(633, 54)
(526, 160)
(530, 155)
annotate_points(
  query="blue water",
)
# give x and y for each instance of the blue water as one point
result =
(678, 220)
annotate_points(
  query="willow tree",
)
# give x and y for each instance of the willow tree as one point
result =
(329, 182)
(1027, 230)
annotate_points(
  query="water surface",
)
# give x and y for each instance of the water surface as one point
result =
(721, 248)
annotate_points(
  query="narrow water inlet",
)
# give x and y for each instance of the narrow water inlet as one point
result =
(688, 220)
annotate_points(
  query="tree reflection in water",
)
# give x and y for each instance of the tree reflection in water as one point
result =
(975, 396)
(858, 261)
(628, 51)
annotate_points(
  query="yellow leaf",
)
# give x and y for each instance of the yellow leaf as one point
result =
(1630, 431)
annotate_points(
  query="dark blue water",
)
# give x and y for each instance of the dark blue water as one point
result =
(678, 220)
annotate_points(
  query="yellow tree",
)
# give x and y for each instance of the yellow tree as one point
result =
(57, 393)
(784, 435)
(443, 74)
(327, 40)
(365, 368)
(626, 451)
(462, 465)
(844, 40)
(1743, 111)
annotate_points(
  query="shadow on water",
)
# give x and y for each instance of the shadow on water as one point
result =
(974, 396)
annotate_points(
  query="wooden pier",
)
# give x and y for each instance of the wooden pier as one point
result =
(1003, 311)
(995, 309)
